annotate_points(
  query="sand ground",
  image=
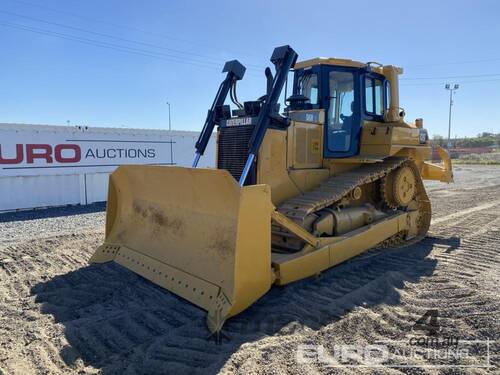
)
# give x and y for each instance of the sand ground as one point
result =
(58, 315)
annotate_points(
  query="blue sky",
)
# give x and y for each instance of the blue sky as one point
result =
(117, 62)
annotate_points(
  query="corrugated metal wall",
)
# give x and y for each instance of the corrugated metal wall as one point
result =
(24, 192)
(96, 185)
(39, 191)
(45, 182)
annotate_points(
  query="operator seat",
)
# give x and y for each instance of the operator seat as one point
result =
(340, 139)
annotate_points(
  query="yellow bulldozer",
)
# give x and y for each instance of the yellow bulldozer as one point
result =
(336, 172)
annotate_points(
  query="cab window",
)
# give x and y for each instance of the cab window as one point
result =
(369, 95)
(387, 94)
(374, 104)
(378, 97)
(307, 85)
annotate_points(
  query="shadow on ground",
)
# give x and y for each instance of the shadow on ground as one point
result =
(44, 213)
(119, 322)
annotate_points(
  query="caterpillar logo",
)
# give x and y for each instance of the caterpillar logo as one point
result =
(239, 121)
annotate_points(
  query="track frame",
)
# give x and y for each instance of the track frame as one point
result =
(330, 251)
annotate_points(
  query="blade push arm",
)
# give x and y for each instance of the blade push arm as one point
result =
(235, 71)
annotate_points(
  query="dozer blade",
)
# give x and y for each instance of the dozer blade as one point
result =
(194, 232)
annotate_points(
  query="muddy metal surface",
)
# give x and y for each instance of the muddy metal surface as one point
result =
(59, 315)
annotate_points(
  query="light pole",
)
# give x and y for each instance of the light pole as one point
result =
(169, 122)
(451, 89)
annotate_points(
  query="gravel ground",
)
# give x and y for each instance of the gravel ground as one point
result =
(59, 315)
(19, 226)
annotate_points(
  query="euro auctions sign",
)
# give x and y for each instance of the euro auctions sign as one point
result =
(27, 150)
(71, 153)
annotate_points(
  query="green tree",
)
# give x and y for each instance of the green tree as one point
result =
(438, 140)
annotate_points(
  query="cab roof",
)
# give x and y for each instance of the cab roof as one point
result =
(338, 62)
(328, 61)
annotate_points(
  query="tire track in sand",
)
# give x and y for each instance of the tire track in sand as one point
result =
(66, 317)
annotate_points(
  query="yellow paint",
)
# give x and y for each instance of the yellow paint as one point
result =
(333, 61)
(278, 169)
(196, 226)
(443, 173)
(293, 267)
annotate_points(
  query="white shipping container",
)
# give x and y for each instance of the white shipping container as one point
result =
(44, 166)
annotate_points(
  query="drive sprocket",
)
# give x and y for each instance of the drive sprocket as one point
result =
(406, 179)
(399, 187)
(404, 186)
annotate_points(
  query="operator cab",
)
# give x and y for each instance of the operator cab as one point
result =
(348, 91)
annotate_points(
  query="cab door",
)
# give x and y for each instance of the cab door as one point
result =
(342, 103)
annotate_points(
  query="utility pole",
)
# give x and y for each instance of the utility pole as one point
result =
(451, 89)
(171, 142)
(169, 121)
